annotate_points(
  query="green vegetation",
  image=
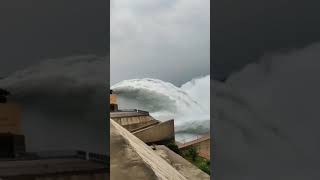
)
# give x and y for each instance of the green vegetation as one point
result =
(192, 156)
(191, 153)
(174, 147)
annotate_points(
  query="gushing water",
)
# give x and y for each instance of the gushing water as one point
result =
(189, 104)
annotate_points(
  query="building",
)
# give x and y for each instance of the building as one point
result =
(202, 144)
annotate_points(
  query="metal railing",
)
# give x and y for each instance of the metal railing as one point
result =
(133, 110)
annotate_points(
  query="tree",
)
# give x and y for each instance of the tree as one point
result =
(192, 153)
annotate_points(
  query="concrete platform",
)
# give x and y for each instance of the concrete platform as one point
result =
(132, 159)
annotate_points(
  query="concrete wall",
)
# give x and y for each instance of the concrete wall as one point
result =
(161, 132)
(204, 149)
(202, 145)
(10, 118)
(131, 123)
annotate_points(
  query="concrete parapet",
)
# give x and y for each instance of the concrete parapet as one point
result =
(134, 122)
(187, 169)
(162, 132)
(128, 113)
(132, 159)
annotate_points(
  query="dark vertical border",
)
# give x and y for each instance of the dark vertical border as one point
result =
(108, 80)
(212, 130)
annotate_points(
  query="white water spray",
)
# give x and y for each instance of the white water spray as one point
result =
(189, 105)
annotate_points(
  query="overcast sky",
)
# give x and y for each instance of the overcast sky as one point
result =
(35, 30)
(164, 39)
(65, 31)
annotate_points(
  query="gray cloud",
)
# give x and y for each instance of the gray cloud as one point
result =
(168, 40)
(34, 30)
(64, 98)
(245, 30)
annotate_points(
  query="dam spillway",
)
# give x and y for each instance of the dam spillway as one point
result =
(132, 130)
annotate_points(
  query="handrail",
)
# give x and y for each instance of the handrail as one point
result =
(133, 110)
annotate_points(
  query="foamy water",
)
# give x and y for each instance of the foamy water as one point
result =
(189, 104)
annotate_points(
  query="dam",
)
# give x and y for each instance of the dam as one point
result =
(141, 124)
(138, 141)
